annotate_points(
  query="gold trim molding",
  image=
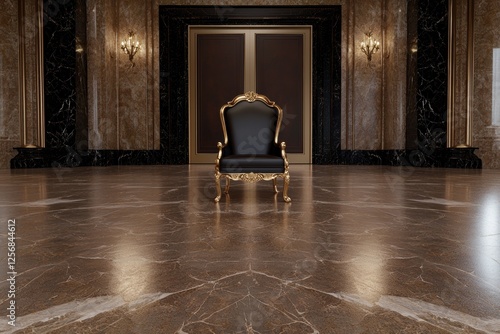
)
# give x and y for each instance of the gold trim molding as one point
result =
(452, 74)
(22, 77)
(470, 70)
(22, 74)
(40, 87)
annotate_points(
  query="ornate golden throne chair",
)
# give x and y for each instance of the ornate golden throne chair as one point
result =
(250, 152)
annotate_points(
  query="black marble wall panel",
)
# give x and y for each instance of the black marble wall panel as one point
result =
(412, 75)
(59, 34)
(173, 87)
(432, 76)
(327, 113)
(82, 114)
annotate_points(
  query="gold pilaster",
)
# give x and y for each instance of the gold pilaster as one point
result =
(40, 78)
(384, 79)
(470, 71)
(22, 73)
(450, 138)
(40, 98)
(451, 127)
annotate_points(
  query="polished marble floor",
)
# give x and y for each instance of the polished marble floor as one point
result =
(144, 249)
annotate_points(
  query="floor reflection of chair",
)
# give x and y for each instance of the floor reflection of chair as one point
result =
(251, 151)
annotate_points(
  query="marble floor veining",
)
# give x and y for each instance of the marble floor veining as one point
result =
(144, 249)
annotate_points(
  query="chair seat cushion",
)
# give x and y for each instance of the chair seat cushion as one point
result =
(252, 163)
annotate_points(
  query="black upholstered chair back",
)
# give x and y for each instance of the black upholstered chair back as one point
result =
(251, 128)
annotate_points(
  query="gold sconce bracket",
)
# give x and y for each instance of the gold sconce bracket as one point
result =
(369, 46)
(130, 47)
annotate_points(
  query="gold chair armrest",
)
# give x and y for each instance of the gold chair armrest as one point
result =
(220, 146)
(283, 154)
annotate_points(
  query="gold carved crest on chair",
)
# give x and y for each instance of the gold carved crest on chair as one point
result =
(251, 151)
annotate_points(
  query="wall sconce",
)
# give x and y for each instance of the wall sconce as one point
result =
(130, 47)
(369, 46)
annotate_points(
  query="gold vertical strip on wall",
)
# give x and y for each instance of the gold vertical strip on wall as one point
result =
(350, 85)
(382, 46)
(22, 73)
(470, 71)
(40, 88)
(250, 76)
(450, 134)
(149, 61)
(192, 90)
(116, 32)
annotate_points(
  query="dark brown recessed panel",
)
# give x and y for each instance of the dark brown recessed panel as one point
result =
(279, 67)
(220, 70)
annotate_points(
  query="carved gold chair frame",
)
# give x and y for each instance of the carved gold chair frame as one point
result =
(252, 177)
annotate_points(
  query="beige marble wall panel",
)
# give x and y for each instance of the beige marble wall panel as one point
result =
(486, 38)
(132, 80)
(32, 8)
(367, 80)
(102, 83)
(122, 112)
(7, 152)
(394, 58)
(111, 88)
(489, 149)
(152, 50)
(134, 103)
(10, 82)
(9, 57)
(9, 117)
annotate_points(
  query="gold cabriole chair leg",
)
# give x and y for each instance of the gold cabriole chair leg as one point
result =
(226, 190)
(217, 187)
(286, 181)
(275, 186)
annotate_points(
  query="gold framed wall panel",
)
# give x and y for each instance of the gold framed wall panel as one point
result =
(31, 74)
(460, 73)
(277, 54)
(250, 82)
(220, 73)
(122, 100)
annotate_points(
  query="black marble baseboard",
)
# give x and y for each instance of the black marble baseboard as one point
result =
(460, 158)
(68, 157)
(442, 158)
